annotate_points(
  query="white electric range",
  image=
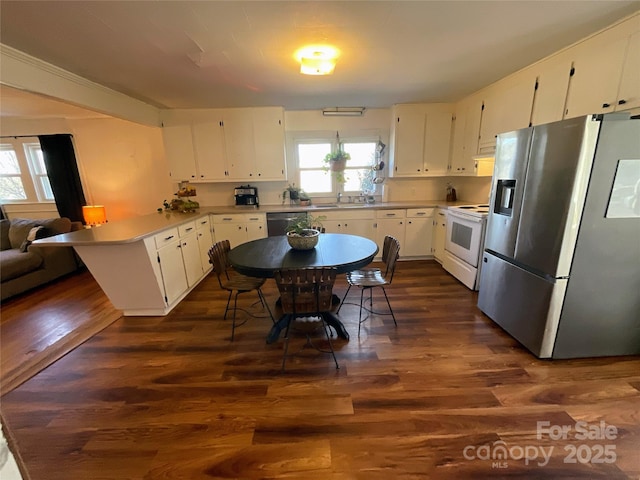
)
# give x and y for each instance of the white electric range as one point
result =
(466, 226)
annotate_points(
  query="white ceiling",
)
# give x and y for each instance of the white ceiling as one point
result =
(209, 54)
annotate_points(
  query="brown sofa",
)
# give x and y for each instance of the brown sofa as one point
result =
(24, 266)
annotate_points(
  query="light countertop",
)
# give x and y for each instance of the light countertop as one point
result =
(137, 228)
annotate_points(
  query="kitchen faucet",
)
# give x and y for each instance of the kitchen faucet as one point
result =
(339, 197)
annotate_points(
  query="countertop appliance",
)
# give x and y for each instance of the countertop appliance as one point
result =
(561, 267)
(464, 243)
(246, 195)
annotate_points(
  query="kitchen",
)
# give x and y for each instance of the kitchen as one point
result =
(145, 185)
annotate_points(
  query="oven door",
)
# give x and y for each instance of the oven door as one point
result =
(464, 236)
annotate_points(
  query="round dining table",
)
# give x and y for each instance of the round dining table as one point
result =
(263, 257)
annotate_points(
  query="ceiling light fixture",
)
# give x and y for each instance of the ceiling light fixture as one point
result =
(317, 66)
(317, 59)
(343, 111)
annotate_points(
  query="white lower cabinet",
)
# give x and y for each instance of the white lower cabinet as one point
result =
(356, 222)
(418, 232)
(439, 233)
(205, 242)
(174, 277)
(180, 258)
(256, 226)
(239, 228)
(390, 222)
(191, 258)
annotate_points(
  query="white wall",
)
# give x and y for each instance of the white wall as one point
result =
(122, 164)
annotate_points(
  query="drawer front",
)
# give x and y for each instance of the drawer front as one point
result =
(231, 218)
(350, 215)
(397, 213)
(255, 218)
(420, 212)
(187, 228)
(203, 222)
(166, 237)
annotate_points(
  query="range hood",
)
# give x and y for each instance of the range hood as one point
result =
(483, 165)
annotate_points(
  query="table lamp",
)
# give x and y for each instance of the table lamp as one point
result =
(94, 215)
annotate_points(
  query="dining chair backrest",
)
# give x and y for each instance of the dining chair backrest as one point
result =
(306, 290)
(390, 255)
(219, 257)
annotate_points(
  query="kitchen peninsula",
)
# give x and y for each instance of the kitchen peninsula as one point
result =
(146, 265)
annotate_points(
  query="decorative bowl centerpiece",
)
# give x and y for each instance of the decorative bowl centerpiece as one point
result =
(303, 232)
(306, 240)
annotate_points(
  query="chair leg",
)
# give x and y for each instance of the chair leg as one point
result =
(235, 308)
(265, 304)
(360, 317)
(286, 341)
(326, 332)
(390, 309)
(227, 308)
(343, 299)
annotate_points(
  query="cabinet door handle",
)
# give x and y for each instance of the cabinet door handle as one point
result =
(168, 238)
(606, 105)
(390, 214)
(421, 213)
(189, 229)
(621, 102)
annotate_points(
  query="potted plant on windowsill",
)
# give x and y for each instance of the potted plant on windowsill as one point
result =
(304, 199)
(303, 231)
(292, 192)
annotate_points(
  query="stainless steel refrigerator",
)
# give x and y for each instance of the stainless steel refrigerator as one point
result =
(561, 265)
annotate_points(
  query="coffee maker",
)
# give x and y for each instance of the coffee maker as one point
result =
(246, 195)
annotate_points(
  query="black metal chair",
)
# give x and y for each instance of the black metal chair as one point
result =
(234, 282)
(370, 278)
(306, 293)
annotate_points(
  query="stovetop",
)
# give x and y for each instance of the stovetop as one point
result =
(477, 210)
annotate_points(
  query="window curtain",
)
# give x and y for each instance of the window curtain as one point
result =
(62, 170)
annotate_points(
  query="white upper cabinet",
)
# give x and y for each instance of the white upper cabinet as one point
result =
(178, 147)
(237, 144)
(465, 135)
(551, 92)
(238, 136)
(629, 91)
(605, 76)
(420, 139)
(593, 87)
(210, 152)
(507, 107)
(268, 135)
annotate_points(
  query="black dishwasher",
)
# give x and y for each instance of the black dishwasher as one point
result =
(277, 222)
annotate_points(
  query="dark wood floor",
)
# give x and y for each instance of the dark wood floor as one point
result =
(172, 397)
